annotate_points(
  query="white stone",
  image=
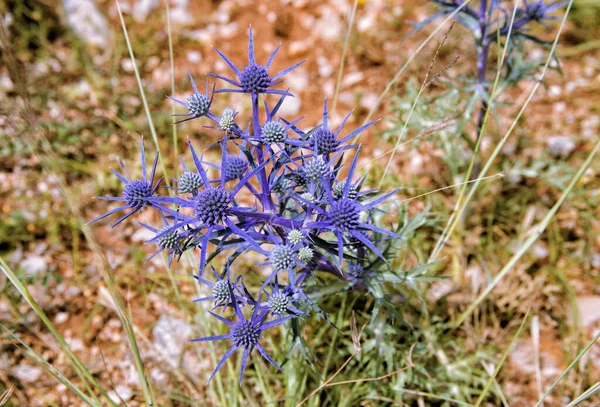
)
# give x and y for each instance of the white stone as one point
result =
(194, 57)
(87, 21)
(170, 336)
(121, 392)
(61, 317)
(34, 265)
(143, 8)
(329, 25)
(27, 373)
(142, 235)
(369, 101)
(325, 69)
(589, 310)
(560, 146)
(290, 107)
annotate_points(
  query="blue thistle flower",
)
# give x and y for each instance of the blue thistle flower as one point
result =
(212, 208)
(227, 120)
(169, 240)
(282, 257)
(254, 78)
(305, 255)
(197, 104)
(190, 182)
(136, 194)
(244, 334)
(235, 166)
(324, 141)
(343, 216)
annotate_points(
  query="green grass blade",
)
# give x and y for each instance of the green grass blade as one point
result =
(490, 382)
(585, 395)
(564, 373)
(534, 234)
(142, 93)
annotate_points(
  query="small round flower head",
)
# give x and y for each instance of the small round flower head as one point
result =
(315, 169)
(198, 104)
(168, 240)
(227, 120)
(305, 254)
(220, 292)
(307, 196)
(235, 167)
(278, 303)
(190, 182)
(295, 236)
(356, 270)
(324, 140)
(136, 192)
(338, 190)
(300, 179)
(282, 257)
(212, 206)
(344, 214)
(255, 79)
(245, 334)
(283, 185)
(273, 132)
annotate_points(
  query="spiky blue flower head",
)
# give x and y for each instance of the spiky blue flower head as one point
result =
(295, 236)
(539, 11)
(300, 179)
(227, 120)
(254, 78)
(338, 190)
(282, 257)
(283, 185)
(168, 240)
(235, 166)
(220, 292)
(197, 104)
(273, 132)
(324, 141)
(305, 254)
(189, 182)
(356, 270)
(245, 334)
(212, 206)
(278, 303)
(344, 214)
(307, 196)
(137, 193)
(315, 169)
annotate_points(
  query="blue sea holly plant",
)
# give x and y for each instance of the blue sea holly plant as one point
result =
(290, 196)
(493, 25)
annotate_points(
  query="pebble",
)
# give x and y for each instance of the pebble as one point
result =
(34, 265)
(27, 373)
(329, 25)
(560, 146)
(143, 8)
(290, 107)
(170, 336)
(121, 392)
(87, 22)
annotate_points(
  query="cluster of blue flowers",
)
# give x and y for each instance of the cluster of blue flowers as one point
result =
(285, 194)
